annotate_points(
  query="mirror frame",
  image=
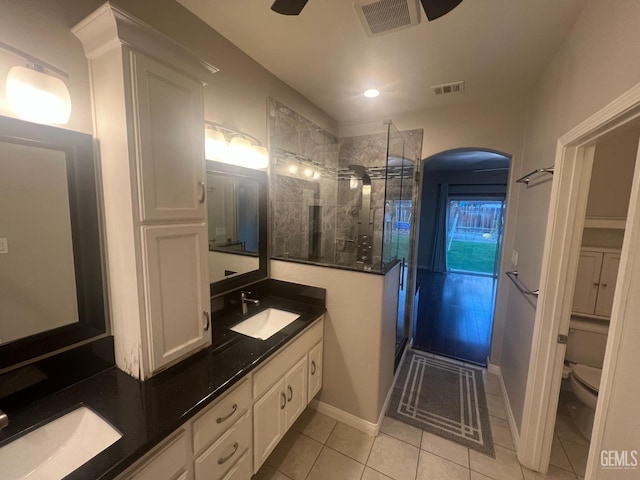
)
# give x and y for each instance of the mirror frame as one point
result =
(239, 281)
(82, 183)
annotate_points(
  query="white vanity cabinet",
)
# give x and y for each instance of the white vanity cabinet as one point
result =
(147, 95)
(281, 391)
(596, 282)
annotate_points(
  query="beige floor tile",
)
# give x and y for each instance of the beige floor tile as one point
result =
(394, 458)
(315, 425)
(554, 473)
(496, 406)
(433, 467)
(371, 474)
(492, 384)
(332, 465)
(401, 431)
(351, 442)
(479, 476)
(295, 454)
(558, 456)
(501, 432)
(577, 456)
(445, 448)
(504, 467)
(566, 430)
(267, 472)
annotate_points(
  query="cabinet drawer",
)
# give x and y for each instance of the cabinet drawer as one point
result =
(168, 462)
(220, 457)
(241, 470)
(208, 427)
(276, 368)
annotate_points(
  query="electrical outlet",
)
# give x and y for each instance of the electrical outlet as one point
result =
(514, 258)
(4, 246)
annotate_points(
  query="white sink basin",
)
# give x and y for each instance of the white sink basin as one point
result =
(265, 323)
(56, 449)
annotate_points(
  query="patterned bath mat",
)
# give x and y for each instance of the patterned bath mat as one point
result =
(445, 398)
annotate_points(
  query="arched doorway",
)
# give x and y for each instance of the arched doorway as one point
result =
(459, 242)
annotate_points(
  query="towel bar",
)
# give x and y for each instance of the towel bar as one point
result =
(513, 276)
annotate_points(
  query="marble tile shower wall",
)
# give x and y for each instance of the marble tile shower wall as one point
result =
(294, 199)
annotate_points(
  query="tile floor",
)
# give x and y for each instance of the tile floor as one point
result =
(318, 447)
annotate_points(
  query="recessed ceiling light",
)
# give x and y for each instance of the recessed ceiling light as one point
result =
(371, 92)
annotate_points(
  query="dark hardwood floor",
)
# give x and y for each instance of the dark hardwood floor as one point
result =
(455, 315)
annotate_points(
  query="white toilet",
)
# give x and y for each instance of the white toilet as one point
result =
(584, 356)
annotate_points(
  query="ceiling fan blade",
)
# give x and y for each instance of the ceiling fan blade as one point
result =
(437, 8)
(288, 7)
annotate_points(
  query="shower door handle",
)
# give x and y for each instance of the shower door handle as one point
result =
(402, 274)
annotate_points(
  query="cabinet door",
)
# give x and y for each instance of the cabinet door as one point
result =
(315, 370)
(268, 423)
(587, 280)
(177, 300)
(608, 277)
(169, 115)
(296, 392)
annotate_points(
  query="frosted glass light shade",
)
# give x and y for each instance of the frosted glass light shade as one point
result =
(215, 146)
(240, 151)
(37, 97)
(259, 157)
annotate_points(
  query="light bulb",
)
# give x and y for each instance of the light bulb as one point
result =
(215, 146)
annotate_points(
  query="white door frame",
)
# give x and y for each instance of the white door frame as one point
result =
(573, 164)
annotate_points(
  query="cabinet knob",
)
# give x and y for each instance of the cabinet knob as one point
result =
(603, 285)
(313, 367)
(222, 460)
(595, 284)
(207, 320)
(290, 397)
(203, 192)
(284, 400)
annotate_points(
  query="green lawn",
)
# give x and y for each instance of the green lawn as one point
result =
(471, 256)
(402, 240)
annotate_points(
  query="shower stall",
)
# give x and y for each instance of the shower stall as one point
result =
(343, 202)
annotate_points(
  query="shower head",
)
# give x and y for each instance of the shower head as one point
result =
(362, 173)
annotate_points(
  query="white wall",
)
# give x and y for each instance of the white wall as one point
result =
(359, 334)
(595, 64)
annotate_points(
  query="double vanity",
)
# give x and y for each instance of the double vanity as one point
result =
(218, 414)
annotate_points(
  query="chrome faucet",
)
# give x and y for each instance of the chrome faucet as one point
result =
(4, 420)
(244, 300)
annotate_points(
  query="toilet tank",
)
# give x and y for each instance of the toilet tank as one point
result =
(587, 342)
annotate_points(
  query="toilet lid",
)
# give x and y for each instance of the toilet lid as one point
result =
(590, 376)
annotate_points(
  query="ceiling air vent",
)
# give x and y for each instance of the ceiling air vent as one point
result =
(446, 88)
(384, 16)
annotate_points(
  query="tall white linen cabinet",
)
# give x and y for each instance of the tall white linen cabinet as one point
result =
(149, 122)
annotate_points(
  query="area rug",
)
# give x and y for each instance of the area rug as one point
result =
(445, 398)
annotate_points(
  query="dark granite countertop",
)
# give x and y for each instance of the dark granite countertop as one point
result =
(147, 412)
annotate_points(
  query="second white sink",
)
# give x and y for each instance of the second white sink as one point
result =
(264, 324)
(56, 449)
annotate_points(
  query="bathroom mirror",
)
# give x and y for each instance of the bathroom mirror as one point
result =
(237, 221)
(51, 285)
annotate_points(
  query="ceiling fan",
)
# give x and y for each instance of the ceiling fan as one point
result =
(432, 8)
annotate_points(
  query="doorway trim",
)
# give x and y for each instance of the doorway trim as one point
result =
(569, 192)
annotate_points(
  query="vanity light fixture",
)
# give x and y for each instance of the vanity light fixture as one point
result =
(242, 149)
(371, 93)
(35, 91)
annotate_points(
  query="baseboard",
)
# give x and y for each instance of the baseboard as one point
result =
(345, 417)
(352, 420)
(496, 370)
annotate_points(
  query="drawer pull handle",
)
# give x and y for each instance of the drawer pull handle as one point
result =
(290, 393)
(203, 194)
(233, 410)
(207, 320)
(284, 400)
(226, 459)
(313, 367)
